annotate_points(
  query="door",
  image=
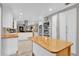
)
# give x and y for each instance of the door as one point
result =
(54, 26)
(68, 27)
(72, 28)
(62, 24)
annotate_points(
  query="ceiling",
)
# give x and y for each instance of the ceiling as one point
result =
(33, 11)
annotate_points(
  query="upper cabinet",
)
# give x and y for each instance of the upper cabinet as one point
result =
(7, 17)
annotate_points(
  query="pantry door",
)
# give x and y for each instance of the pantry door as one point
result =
(54, 26)
(68, 27)
(72, 28)
(62, 26)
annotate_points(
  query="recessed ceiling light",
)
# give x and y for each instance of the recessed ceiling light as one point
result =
(21, 13)
(50, 9)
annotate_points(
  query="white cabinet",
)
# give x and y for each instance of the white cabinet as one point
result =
(40, 51)
(72, 28)
(9, 46)
(68, 27)
(54, 26)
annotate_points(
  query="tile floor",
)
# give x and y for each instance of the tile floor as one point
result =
(25, 48)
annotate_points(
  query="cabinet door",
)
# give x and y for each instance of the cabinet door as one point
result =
(54, 26)
(9, 46)
(72, 27)
(62, 26)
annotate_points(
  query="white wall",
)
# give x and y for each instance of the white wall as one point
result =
(7, 16)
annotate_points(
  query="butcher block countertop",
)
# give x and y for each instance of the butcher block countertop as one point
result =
(52, 45)
(10, 35)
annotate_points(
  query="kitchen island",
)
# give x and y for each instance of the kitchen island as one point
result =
(46, 46)
(9, 44)
(10, 35)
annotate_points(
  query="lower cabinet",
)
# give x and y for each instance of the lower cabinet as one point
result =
(40, 51)
(9, 46)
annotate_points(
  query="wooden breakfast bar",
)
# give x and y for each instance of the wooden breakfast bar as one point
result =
(10, 35)
(58, 47)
